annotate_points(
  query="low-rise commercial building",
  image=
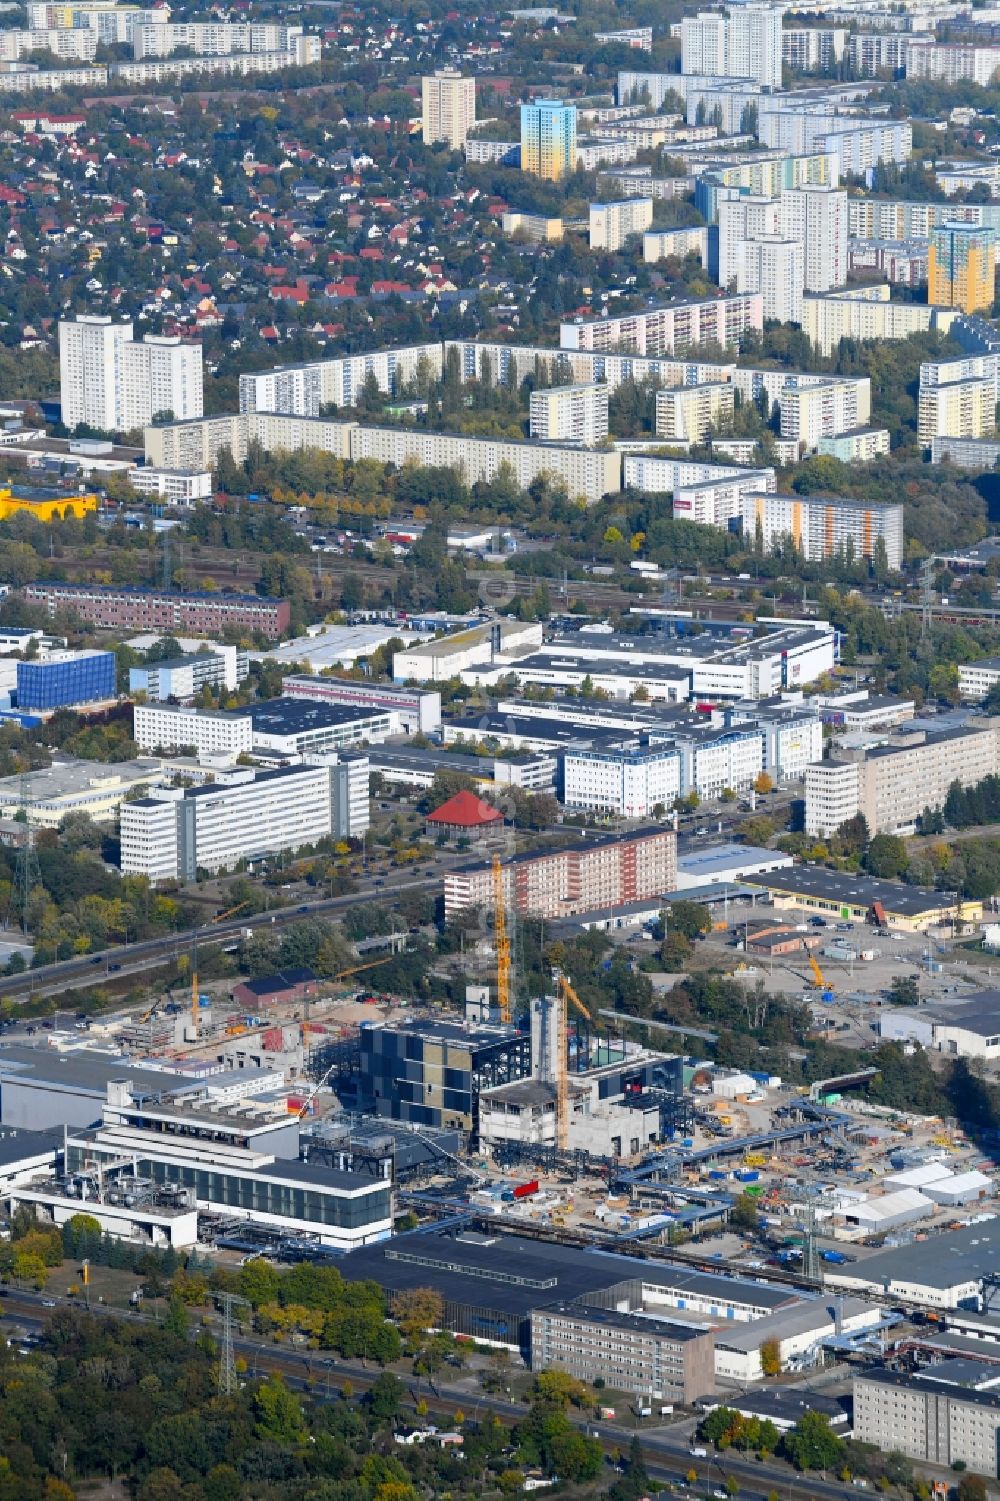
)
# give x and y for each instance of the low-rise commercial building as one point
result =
(853, 898)
(942, 1271)
(72, 786)
(418, 710)
(437, 661)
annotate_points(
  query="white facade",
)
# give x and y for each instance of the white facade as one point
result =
(612, 223)
(823, 526)
(975, 679)
(161, 378)
(773, 267)
(112, 23)
(178, 831)
(115, 385)
(832, 796)
(448, 107)
(686, 414)
(822, 409)
(746, 43)
(215, 38)
(671, 329)
(629, 784)
(816, 216)
(78, 44)
(179, 486)
(570, 414)
(91, 375)
(754, 44)
(959, 409)
(661, 245)
(209, 732)
(302, 390)
(749, 216)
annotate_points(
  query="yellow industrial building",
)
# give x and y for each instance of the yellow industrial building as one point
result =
(44, 505)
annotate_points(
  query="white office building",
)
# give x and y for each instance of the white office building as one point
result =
(630, 782)
(243, 815)
(207, 732)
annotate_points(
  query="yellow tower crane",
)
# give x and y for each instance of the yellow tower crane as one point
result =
(566, 996)
(195, 1016)
(502, 941)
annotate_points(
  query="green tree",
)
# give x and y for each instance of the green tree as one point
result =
(744, 1214)
(689, 918)
(886, 857)
(385, 1397)
(812, 1444)
(279, 1413)
(259, 1282)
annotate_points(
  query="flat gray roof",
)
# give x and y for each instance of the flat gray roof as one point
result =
(941, 1261)
(85, 1071)
(801, 1318)
(979, 1013)
(853, 890)
(713, 857)
(17, 1144)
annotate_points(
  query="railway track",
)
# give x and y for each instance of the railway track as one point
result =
(667, 1455)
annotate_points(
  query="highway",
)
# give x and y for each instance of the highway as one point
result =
(139, 958)
(667, 1452)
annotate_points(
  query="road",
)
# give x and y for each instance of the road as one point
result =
(667, 1451)
(139, 958)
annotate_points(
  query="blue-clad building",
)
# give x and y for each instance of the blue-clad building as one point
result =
(66, 678)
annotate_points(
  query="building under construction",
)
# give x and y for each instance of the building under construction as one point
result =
(589, 1092)
(431, 1073)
